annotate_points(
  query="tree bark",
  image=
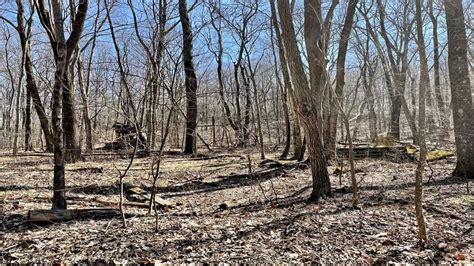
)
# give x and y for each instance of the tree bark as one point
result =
(340, 71)
(306, 105)
(190, 81)
(461, 93)
(85, 104)
(72, 151)
(286, 87)
(444, 120)
(424, 82)
(28, 146)
(64, 51)
(24, 33)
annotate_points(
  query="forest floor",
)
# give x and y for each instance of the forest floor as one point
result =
(268, 220)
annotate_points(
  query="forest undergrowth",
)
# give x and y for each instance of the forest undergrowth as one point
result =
(220, 215)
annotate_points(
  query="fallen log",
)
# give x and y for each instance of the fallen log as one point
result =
(92, 170)
(47, 216)
(395, 153)
(160, 203)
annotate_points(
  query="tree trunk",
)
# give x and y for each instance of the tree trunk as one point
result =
(28, 146)
(461, 94)
(72, 151)
(306, 105)
(18, 107)
(63, 52)
(85, 104)
(444, 120)
(424, 82)
(340, 71)
(257, 108)
(190, 81)
(30, 80)
(286, 87)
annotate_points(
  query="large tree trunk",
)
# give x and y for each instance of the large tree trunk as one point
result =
(306, 105)
(463, 111)
(191, 81)
(59, 184)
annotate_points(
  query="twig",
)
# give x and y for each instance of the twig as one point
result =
(251, 176)
(155, 173)
(121, 177)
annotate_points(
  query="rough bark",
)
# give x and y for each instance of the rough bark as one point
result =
(72, 152)
(306, 104)
(461, 91)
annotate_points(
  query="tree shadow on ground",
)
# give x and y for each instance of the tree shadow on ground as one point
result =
(184, 189)
(298, 197)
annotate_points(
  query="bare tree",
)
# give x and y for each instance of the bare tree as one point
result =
(191, 81)
(63, 50)
(305, 100)
(444, 120)
(72, 149)
(424, 82)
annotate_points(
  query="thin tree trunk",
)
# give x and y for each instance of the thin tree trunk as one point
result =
(444, 120)
(340, 72)
(257, 108)
(85, 103)
(28, 145)
(24, 34)
(18, 106)
(424, 82)
(286, 79)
